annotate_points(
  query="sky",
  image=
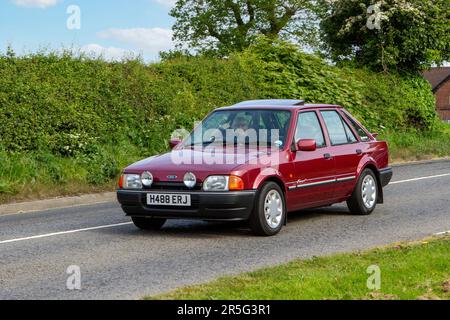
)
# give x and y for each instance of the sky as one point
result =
(111, 28)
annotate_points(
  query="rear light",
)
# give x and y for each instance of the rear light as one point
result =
(236, 183)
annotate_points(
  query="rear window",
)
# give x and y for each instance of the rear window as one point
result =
(359, 130)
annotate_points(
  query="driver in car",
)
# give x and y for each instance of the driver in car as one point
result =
(240, 123)
(241, 126)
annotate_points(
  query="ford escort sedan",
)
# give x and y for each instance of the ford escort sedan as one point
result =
(257, 161)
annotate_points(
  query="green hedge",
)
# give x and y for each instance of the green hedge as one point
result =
(59, 108)
(70, 105)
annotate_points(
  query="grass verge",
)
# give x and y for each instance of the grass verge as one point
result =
(42, 175)
(408, 271)
(411, 146)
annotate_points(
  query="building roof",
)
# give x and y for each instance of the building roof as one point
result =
(437, 76)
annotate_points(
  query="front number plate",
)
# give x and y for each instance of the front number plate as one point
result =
(164, 199)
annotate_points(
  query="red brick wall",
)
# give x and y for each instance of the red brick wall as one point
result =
(443, 101)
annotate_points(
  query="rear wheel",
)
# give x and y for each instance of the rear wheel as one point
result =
(148, 223)
(269, 213)
(365, 196)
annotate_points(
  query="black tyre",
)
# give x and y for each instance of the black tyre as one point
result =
(269, 214)
(148, 223)
(365, 196)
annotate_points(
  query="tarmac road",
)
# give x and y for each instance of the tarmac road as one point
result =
(118, 261)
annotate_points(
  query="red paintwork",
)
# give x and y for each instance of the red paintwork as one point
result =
(295, 167)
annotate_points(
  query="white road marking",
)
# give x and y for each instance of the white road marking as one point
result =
(442, 233)
(422, 178)
(65, 232)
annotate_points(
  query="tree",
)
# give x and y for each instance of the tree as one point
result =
(387, 34)
(232, 25)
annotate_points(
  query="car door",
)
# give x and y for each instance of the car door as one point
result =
(344, 149)
(314, 170)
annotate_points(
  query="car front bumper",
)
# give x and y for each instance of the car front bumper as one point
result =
(217, 206)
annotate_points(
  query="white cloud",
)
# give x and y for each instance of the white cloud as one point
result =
(167, 3)
(36, 3)
(107, 53)
(147, 40)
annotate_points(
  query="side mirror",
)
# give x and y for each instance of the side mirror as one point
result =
(375, 135)
(174, 143)
(307, 145)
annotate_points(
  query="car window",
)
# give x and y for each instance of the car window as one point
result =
(308, 127)
(283, 119)
(350, 135)
(358, 129)
(335, 126)
(253, 127)
(216, 122)
(241, 120)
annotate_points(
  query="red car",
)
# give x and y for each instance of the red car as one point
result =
(256, 161)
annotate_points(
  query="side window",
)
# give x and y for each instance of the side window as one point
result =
(350, 136)
(358, 129)
(336, 128)
(308, 127)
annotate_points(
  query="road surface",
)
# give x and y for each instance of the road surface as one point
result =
(117, 261)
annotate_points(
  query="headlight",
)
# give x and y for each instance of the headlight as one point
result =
(147, 179)
(131, 181)
(216, 183)
(223, 183)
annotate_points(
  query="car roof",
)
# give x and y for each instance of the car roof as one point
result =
(279, 104)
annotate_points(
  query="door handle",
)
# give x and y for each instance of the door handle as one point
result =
(327, 156)
(359, 152)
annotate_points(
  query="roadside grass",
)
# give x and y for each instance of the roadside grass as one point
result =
(42, 175)
(410, 146)
(419, 270)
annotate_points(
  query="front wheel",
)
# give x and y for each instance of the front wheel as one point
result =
(365, 196)
(148, 223)
(269, 213)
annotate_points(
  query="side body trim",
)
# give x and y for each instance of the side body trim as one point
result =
(320, 183)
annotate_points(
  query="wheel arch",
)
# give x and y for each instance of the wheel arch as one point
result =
(276, 180)
(373, 167)
(279, 181)
(267, 175)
